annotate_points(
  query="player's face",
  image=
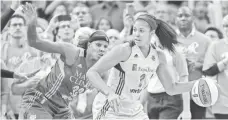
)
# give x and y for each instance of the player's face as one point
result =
(66, 32)
(141, 33)
(97, 49)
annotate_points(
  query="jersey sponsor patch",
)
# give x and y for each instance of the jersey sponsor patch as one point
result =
(134, 67)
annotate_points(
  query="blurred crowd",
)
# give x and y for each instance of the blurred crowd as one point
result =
(79, 20)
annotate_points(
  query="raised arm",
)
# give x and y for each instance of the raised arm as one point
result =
(33, 39)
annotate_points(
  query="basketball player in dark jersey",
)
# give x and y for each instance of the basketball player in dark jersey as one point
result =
(67, 78)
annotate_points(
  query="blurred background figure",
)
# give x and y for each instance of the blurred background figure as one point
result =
(104, 24)
(214, 33)
(83, 15)
(109, 9)
(114, 38)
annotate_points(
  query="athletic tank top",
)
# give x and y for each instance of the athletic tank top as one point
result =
(64, 80)
(128, 79)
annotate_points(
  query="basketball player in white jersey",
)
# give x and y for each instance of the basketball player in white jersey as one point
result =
(67, 78)
(135, 62)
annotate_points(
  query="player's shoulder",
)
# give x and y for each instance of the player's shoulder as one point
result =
(126, 46)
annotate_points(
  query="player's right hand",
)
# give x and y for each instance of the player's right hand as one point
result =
(30, 12)
(114, 101)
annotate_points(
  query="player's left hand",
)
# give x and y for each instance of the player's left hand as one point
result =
(185, 115)
(114, 101)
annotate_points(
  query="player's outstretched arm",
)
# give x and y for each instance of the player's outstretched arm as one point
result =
(168, 77)
(112, 58)
(33, 39)
(109, 60)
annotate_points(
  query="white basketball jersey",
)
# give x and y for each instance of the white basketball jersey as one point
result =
(129, 78)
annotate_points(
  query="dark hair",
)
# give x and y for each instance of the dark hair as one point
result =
(97, 35)
(98, 23)
(166, 34)
(17, 16)
(220, 35)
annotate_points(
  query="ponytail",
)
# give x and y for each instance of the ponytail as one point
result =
(166, 34)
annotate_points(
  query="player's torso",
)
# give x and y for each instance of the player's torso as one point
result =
(69, 81)
(135, 73)
(128, 79)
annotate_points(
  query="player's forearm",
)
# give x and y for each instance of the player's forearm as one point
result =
(31, 33)
(168, 78)
(186, 101)
(96, 80)
(186, 95)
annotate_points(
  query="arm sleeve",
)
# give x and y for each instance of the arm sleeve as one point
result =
(6, 73)
(5, 17)
(212, 71)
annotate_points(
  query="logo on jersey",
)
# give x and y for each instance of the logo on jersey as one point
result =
(80, 83)
(153, 58)
(136, 56)
(142, 69)
(142, 79)
(135, 90)
(134, 67)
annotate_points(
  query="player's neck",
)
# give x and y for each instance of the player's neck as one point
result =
(145, 50)
(90, 62)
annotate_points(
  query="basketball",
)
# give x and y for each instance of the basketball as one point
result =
(204, 92)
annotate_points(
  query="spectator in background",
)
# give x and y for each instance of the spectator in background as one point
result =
(216, 66)
(144, 5)
(224, 8)
(83, 15)
(14, 52)
(64, 31)
(8, 13)
(109, 9)
(128, 20)
(201, 15)
(193, 45)
(60, 10)
(172, 12)
(104, 24)
(114, 37)
(214, 33)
